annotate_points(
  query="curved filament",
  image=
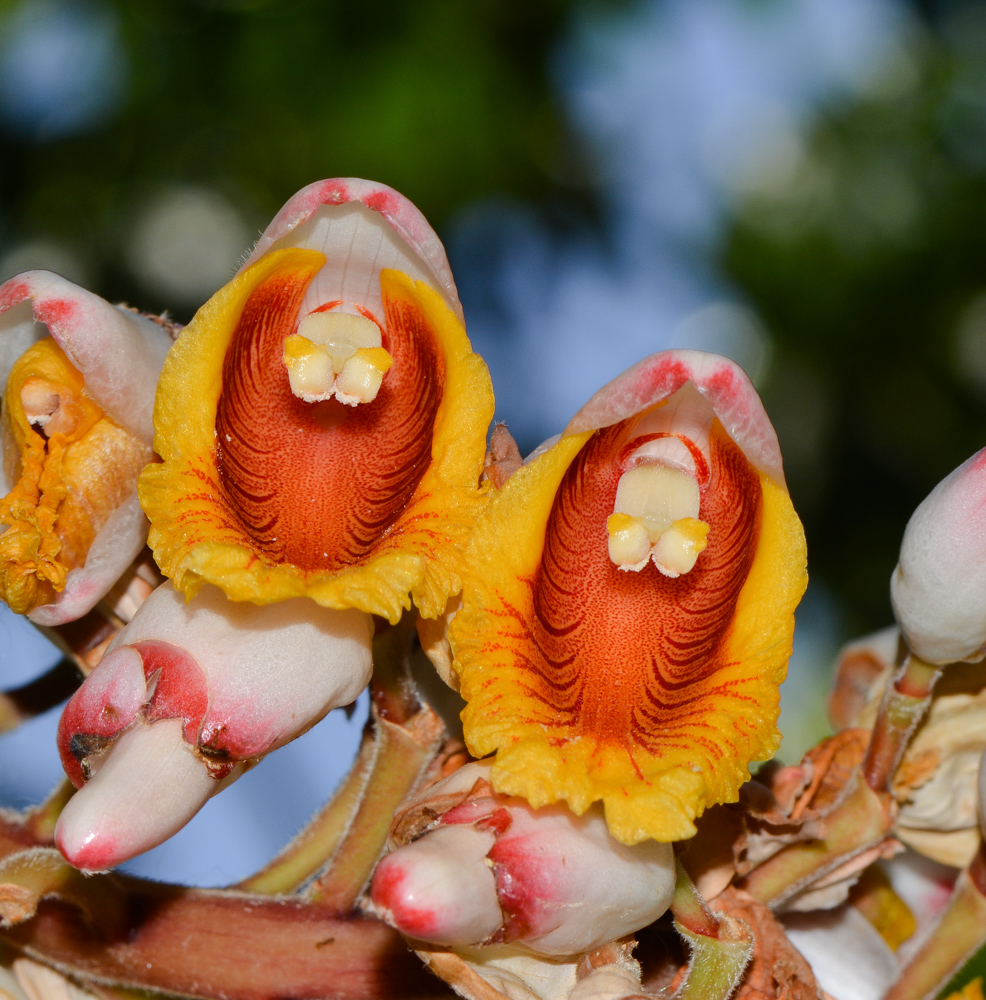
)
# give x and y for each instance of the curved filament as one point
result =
(318, 484)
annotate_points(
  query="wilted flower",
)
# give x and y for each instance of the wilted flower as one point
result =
(78, 377)
(322, 420)
(628, 603)
(486, 869)
(938, 589)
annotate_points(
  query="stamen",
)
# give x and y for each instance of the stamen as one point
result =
(336, 354)
(656, 517)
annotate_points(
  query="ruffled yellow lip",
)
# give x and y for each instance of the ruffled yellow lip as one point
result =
(591, 682)
(71, 465)
(270, 491)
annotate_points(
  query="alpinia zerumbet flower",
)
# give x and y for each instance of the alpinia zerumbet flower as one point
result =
(323, 419)
(489, 869)
(183, 697)
(78, 377)
(628, 603)
(938, 589)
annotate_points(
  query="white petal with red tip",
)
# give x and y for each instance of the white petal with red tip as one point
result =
(439, 888)
(272, 671)
(721, 381)
(149, 785)
(119, 353)
(326, 214)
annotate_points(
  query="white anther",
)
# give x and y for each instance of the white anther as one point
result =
(341, 334)
(310, 373)
(336, 354)
(629, 542)
(658, 494)
(360, 378)
(656, 517)
(678, 548)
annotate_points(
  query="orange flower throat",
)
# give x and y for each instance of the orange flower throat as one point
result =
(317, 484)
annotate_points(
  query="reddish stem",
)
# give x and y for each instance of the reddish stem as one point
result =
(903, 706)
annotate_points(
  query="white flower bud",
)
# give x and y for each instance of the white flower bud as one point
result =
(938, 589)
(186, 693)
(561, 883)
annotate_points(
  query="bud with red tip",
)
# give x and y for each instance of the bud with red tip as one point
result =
(184, 697)
(490, 869)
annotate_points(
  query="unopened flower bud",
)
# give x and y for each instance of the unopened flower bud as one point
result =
(186, 694)
(494, 870)
(938, 589)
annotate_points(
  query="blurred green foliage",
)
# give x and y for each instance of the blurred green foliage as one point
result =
(866, 256)
(442, 99)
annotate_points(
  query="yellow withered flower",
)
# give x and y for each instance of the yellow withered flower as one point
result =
(322, 420)
(628, 603)
(78, 376)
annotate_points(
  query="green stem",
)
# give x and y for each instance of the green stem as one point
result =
(958, 935)
(406, 737)
(903, 706)
(40, 821)
(311, 850)
(401, 757)
(720, 947)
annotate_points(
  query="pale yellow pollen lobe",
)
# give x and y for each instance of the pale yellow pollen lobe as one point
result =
(656, 518)
(336, 354)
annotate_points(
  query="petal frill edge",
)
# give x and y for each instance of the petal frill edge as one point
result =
(196, 540)
(644, 795)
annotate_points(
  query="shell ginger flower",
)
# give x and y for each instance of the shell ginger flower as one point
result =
(78, 380)
(628, 602)
(322, 420)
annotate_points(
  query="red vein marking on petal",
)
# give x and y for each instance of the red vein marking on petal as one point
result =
(630, 658)
(318, 485)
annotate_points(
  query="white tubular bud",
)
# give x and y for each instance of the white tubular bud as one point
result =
(497, 871)
(148, 786)
(938, 589)
(440, 888)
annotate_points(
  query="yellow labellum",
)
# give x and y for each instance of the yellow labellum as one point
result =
(72, 467)
(269, 496)
(649, 693)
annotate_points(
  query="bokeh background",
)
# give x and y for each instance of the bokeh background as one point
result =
(799, 184)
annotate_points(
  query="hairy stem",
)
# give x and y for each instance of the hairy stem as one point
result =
(904, 704)
(720, 946)
(959, 933)
(311, 850)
